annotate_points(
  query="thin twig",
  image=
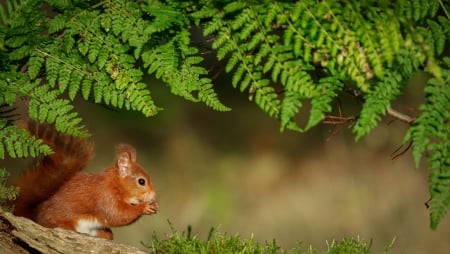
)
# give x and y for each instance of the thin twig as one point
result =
(427, 203)
(400, 116)
(397, 153)
(340, 121)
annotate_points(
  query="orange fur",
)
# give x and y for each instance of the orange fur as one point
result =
(55, 193)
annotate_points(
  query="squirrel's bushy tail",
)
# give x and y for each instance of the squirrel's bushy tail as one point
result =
(49, 172)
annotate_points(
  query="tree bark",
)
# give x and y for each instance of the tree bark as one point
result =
(20, 235)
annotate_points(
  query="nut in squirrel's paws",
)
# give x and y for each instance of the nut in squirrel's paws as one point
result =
(151, 208)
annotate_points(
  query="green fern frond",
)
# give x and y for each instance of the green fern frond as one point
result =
(417, 9)
(290, 106)
(139, 99)
(430, 135)
(321, 104)
(105, 55)
(439, 179)
(316, 34)
(60, 4)
(206, 12)
(214, 25)
(267, 98)
(52, 68)
(177, 64)
(379, 100)
(164, 16)
(57, 23)
(7, 193)
(45, 106)
(11, 12)
(209, 96)
(17, 21)
(389, 39)
(282, 54)
(8, 93)
(74, 84)
(238, 39)
(35, 64)
(436, 37)
(18, 143)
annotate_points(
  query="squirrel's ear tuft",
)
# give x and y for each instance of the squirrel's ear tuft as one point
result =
(126, 155)
(125, 148)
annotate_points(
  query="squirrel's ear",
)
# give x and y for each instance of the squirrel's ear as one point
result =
(123, 163)
(126, 155)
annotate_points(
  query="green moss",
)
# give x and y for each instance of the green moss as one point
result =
(185, 243)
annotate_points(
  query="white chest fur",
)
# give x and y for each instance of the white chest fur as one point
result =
(88, 226)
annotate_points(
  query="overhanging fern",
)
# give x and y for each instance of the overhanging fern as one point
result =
(282, 54)
(431, 135)
(18, 143)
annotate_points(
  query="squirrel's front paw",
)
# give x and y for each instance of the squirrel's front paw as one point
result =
(151, 208)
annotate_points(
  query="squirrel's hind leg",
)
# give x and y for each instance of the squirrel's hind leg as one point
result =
(105, 233)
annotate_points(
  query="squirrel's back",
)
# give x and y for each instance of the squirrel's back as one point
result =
(49, 172)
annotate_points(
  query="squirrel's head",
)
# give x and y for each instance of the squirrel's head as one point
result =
(136, 183)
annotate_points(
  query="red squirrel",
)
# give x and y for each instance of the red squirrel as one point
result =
(55, 194)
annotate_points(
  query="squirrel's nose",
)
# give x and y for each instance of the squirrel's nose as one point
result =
(150, 197)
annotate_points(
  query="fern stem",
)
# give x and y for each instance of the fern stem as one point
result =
(311, 14)
(247, 67)
(291, 25)
(445, 10)
(45, 54)
(261, 28)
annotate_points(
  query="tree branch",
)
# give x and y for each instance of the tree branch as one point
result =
(20, 235)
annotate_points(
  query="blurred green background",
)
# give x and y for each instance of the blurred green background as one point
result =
(236, 172)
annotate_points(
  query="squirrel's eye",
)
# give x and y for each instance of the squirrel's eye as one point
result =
(141, 181)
